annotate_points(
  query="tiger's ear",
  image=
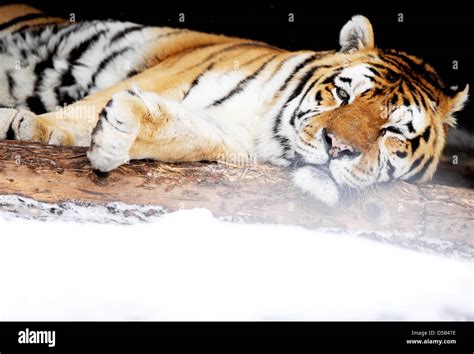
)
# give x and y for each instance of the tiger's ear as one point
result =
(457, 98)
(356, 34)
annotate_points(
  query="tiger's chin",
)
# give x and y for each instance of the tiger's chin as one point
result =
(318, 182)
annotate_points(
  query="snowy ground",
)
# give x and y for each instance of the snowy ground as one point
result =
(190, 266)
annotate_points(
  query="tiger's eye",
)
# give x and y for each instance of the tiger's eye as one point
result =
(342, 94)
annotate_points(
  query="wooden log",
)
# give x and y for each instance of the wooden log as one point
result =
(430, 217)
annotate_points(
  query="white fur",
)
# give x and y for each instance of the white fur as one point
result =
(236, 117)
(112, 140)
(40, 48)
(359, 83)
(403, 114)
(24, 125)
(356, 34)
(6, 117)
(318, 184)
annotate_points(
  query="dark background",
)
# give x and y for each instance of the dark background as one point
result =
(437, 33)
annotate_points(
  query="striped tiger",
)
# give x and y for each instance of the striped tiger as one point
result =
(341, 120)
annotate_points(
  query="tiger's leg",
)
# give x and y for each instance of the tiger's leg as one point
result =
(144, 125)
(70, 127)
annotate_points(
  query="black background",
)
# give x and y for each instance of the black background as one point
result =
(239, 337)
(437, 33)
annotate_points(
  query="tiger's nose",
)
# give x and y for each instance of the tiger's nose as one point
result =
(336, 148)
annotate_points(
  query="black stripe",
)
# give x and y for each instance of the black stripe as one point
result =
(132, 72)
(371, 78)
(10, 133)
(415, 143)
(349, 80)
(196, 80)
(76, 53)
(34, 102)
(318, 97)
(36, 28)
(67, 78)
(295, 71)
(427, 133)
(119, 35)
(394, 76)
(105, 62)
(276, 127)
(377, 91)
(393, 100)
(17, 20)
(278, 67)
(299, 88)
(375, 72)
(390, 169)
(225, 50)
(410, 127)
(36, 105)
(419, 175)
(330, 79)
(172, 33)
(419, 68)
(302, 83)
(420, 86)
(257, 58)
(415, 99)
(98, 127)
(415, 164)
(378, 164)
(64, 33)
(392, 129)
(310, 87)
(299, 114)
(409, 74)
(242, 84)
(11, 83)
(105, 116)
(363, 93)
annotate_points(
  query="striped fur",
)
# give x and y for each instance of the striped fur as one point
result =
(350, 118)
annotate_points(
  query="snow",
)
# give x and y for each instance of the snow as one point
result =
(188, 265)
(14, 206)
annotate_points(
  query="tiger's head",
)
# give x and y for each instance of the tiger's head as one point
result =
(366, 115)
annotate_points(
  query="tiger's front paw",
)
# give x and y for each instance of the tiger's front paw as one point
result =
(114, 134)
(17, 124)
(7, 115)
(318, 184)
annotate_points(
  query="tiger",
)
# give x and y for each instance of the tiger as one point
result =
(339, 120)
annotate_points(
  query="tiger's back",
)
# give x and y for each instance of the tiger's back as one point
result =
(46, 66)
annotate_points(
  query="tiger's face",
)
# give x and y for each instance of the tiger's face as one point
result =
(370, 116)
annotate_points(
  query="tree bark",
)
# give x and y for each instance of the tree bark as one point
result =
(430, 217)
